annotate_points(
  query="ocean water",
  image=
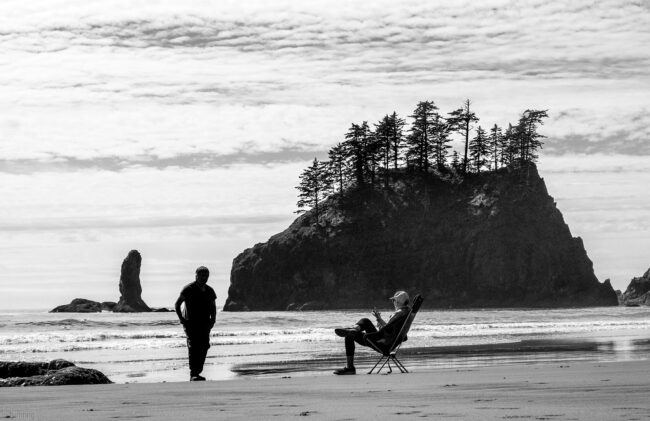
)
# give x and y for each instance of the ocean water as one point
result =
(150, 347)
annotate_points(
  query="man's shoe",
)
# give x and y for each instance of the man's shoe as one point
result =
(345, 371)
(345, 332)
(197, 379)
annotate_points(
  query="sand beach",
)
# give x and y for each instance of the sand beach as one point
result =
(569, 391)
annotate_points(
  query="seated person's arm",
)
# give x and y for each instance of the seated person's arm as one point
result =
(380, 321)
(395, 323)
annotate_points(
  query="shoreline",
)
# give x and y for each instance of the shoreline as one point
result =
(151, 348)
(577, 391)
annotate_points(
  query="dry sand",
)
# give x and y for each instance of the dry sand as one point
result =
(570, 391)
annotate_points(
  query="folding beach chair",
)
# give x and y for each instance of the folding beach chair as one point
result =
(389, 353)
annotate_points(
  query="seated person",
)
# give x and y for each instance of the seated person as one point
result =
(365, 330)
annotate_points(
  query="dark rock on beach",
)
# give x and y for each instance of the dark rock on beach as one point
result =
(79, 305)
(130, 289)
(54, 373)
(638, 292)
(481, 240)
(28, 369)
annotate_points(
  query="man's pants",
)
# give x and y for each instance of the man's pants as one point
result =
(366, 327)
(198, 343)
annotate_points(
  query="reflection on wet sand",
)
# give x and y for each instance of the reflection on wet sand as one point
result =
(467, 356)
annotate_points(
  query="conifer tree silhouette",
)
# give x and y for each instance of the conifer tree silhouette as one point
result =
(478, 149)
(356, 144)
(461, 120)
(441, 140)
(397, 137)
(421, 136)
(315, 186)
(496, 145)
(338, 165)
(529, 139)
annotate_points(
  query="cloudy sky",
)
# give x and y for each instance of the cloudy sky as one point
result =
(180, 128)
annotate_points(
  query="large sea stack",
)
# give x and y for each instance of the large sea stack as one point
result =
(130, 288)
(481, 240)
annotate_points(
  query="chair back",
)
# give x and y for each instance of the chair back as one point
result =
(401, 336)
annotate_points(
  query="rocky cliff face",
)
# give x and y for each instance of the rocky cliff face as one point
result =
(638, 292)
(488, 240)
(130, 288)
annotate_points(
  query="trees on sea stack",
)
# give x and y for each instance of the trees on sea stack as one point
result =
(368, 158)
(359, 148)
(315, 186)
(529, 139)
(390, 138)
(421, 136)
(478, 149)
(496, 145)
(396, 125)
(338, 165)
(461, 120)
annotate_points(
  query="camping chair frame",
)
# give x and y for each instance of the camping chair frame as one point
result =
(391, 355)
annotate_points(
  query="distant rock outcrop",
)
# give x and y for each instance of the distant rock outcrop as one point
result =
(79, 305)
(54, 373)
(494, 239)
(108, 305)
(638, 292)
(130, 288)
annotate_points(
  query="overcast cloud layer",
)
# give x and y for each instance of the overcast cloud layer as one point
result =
(90, 80)
(163, 125)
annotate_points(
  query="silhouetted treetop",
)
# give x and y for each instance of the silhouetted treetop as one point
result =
(366, 158)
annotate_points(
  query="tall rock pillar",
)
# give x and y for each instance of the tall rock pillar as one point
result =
(130, 288)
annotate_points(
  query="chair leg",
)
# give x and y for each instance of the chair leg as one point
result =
(375, 366)
(387, 359)
(399, 365)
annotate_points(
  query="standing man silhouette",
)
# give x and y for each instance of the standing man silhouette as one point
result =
(197, 319)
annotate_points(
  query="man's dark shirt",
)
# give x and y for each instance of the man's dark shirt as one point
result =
(198, 303)
(386, 336)
(395, 323)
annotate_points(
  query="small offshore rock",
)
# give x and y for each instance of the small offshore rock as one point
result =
(108, 305)
(79, 305)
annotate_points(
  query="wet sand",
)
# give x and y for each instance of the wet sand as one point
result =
(565, 391)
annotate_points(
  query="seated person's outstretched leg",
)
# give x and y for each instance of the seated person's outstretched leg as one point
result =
(352, 335)
(366, 326)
